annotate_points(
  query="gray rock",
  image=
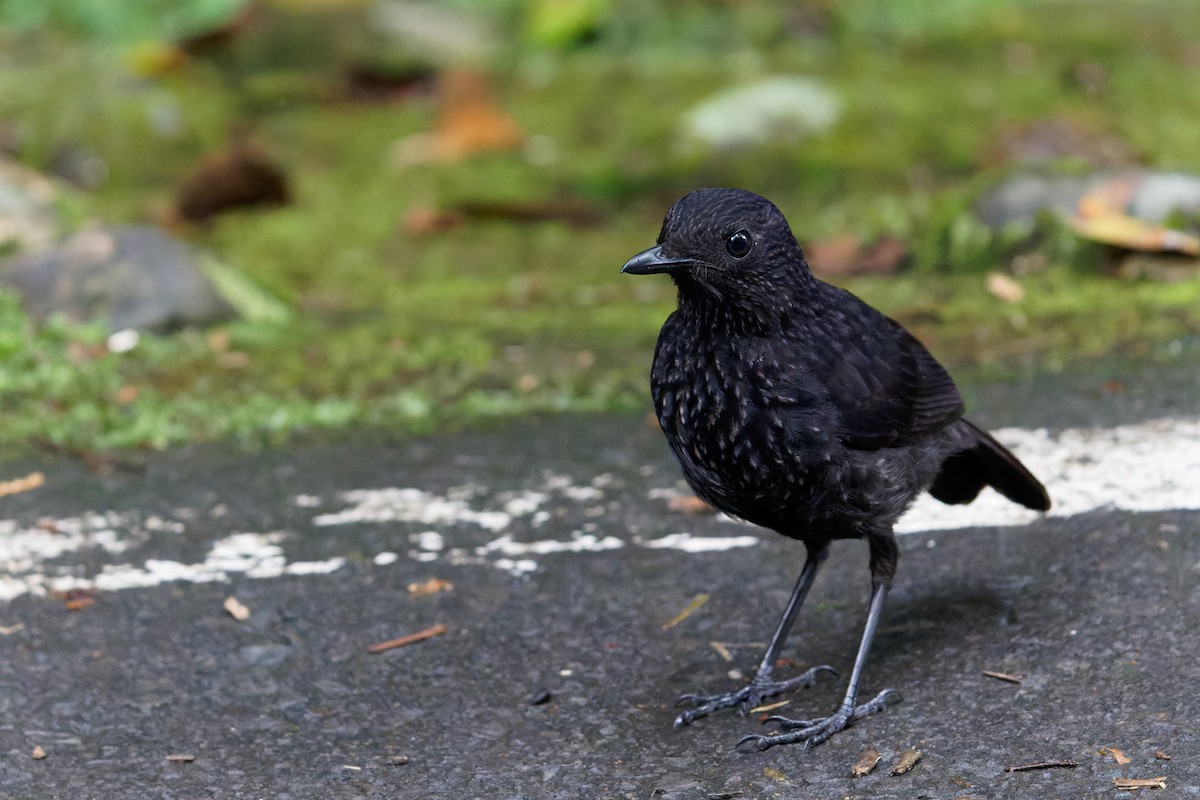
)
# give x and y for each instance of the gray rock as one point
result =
(127, 277)
(1161, 194)
(782, 108)
(28, 218)
(1149, 196)
(1021, 198)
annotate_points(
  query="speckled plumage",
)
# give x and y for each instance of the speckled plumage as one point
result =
(796, 406)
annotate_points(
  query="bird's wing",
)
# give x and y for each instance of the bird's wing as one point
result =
(887, 389)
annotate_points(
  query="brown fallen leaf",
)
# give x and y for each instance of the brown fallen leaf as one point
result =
(79, 603)
(430, 586)
(865, 763)
(1002, 676)
(1102, 215)
(775, 774)
(1117, 755)
(242, 176)
(236, 609)
(1131, 233)
(1161, 756)
(369, 83)
(180, 758)
(412, 638)
(1132, 784)
(907, 761)
(696, 602)
(17, 485)
(469, 123)
(38, 753)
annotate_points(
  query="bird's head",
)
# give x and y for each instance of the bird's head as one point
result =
(728, 250)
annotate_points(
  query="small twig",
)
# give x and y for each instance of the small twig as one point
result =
(1043, 765)
(412, 638)
(430, 586)
(79, 603)
(236, 609)
(1130, 784)
(17, 485)
(697, 601)
(1003, 676)
(769, 707)
(722, 650)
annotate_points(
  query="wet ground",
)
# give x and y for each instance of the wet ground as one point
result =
(558, 666)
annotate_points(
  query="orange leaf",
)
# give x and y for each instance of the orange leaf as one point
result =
(469, 122)
(1131, 233)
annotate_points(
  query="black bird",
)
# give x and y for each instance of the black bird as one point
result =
(794, 405)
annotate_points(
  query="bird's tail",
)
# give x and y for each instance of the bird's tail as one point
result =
(985, 462)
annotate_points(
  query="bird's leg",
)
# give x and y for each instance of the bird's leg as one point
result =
(763, 685)
(813, 732)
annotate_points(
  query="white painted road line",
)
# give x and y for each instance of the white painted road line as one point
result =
(1147, 466)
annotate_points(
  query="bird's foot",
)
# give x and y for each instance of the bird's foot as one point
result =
(745, 698)
(812, 732)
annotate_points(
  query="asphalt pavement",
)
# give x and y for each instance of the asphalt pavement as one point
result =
(568, 598)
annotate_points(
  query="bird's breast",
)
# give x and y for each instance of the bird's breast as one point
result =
(751, 440)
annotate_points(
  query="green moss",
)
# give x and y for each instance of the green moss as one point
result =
(374, 326)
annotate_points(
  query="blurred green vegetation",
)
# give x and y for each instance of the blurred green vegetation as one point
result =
(500, 316)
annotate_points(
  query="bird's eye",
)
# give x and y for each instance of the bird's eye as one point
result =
(739, 244)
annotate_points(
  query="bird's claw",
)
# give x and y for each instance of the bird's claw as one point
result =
(810, 735)
(757, 738)
(746, 698)
(813, 732)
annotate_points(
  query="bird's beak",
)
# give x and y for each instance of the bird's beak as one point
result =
(649, 262)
